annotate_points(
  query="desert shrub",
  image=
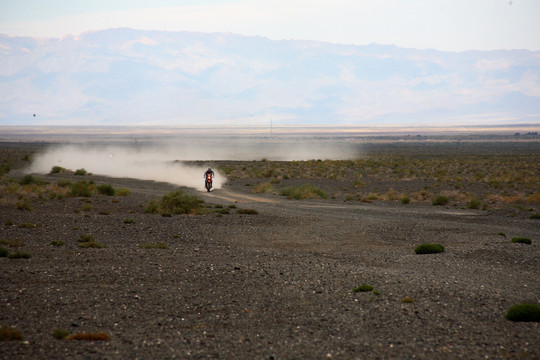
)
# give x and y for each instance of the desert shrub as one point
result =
(521, 240)
(407, 300)
(123, 192)
(81, 189)
(429, 249)
(265, 187)
(502, 234)
(474, 204)
(98, 336)
(4, 252)
(305, 191)
(232, 206)
(106, 189)
(129, 221)
(159, 245)
(222, 211)
(58, 169)
(104, 212)
(85, 238)
(534, 198)
(91, 244)
(19, 255)
(28, 225)
(440, 200)
(363, 288)
(524, 312)
(57, 243)
(87, 207)
(31, 180)
(12, 243)
(60, 333)
(535, 216)
(176, 203)
(8, 333)
(80, 172)
(64, 183)
(405, 200)
(247, 211)
(24, 205)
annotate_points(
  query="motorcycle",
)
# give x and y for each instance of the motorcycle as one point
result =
(208, 182)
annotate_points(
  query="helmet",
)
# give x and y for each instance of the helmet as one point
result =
(209, 169)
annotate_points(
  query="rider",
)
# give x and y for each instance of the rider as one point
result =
(209, 172)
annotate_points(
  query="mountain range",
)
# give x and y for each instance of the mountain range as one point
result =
(135, 77)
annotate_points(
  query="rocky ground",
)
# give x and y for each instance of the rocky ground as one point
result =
(277, 285)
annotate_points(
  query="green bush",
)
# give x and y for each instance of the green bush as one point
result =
(535, 216)
(106, 189)
(129, 221)
(123, 192)
(80, 172)
(91, 244)
(19, 255)
(8, 333)
(440, 200)
(405, 200)
(58, 169)
(57, 243)
(524, 312)
(4, 252)
(82, 189)
(429, 249)
(60, 333)
(363, 288)
(64, 183)
(305, 191)
(176, 203)
(31, 180)
(521, 240)
(474, 204)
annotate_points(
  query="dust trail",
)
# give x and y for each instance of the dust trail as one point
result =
(155, 163)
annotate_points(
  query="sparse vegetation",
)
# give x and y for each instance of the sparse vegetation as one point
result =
(80, 172)
(247, 211)
(474, 204)
(502, 234)
(123, 192)
(129, 221)
(535, 216)
(363, 288)
(19, 255)
(263, 188)
(106, 189)
(57, 243)
(528, 312)
(60, 333)
(58, 169)
(405, 200)
(176, 203)
(429, 249)
(4, 252)
(305, 191)
(8, 333)
(521, 240)
(82, 188)
(440, 200)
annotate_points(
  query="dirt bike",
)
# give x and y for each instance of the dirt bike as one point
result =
(208, 182)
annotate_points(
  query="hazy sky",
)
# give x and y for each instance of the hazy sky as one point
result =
(452, 25)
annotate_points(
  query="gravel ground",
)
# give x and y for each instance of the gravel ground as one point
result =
(278, 285)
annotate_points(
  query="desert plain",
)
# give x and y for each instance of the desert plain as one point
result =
(310, 259)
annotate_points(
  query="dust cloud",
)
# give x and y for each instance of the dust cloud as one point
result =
(163, 158)
(158, 164)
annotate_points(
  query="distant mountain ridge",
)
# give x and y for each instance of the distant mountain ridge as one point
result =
(126, 76)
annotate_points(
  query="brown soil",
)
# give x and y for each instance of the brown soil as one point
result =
(278, 285)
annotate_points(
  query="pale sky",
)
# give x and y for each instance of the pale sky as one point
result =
(450, 25)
